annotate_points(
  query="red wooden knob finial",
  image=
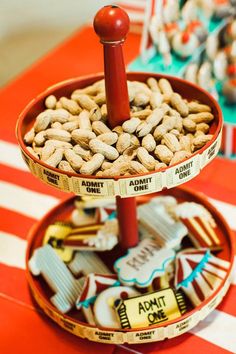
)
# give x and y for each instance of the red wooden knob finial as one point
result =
(111, 24)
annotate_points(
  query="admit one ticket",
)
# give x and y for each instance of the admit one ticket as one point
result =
(150, 309)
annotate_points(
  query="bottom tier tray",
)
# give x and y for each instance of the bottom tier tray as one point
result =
(74, 321)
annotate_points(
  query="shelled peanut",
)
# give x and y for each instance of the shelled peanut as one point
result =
(73, 135)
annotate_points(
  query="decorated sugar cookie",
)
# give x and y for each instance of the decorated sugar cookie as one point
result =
(150, 309)
(199, 222)
(199, 273)
(166, 200)
(94, 284)
(184, 43)
(79, 217)
(143, 263)
(87, 203)
(45, 261)
(104, 312)
(93, 210)
(55, 235)
(95, 237)
(86, 262)
(156, 220)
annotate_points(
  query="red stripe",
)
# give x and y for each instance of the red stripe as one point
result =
(207, 233)
(26, 331)
(217, 180)
(186, 343)
(15, 279)
(228, 304)
(27, 180)
(223, 145)
(234, 140)
(223, 142)
(207, 281)
(14, 284)
(15, 223)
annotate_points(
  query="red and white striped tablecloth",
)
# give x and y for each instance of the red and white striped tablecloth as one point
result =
(24, 200)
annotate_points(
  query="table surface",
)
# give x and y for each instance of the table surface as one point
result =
(24, 200)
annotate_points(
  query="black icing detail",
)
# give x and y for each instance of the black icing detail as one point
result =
(124, 321)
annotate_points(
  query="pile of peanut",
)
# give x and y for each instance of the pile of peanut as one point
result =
(72, 133)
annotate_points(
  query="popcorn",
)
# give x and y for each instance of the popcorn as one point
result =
(201, 226)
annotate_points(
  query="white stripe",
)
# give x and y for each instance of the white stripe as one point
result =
(145, 34)
(227, 210)
(136, 16)
(139, 4)
(10, 155)
(12, 250)
(218, 328)
(24, 201)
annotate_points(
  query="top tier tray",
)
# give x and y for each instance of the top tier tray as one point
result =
(121, 186)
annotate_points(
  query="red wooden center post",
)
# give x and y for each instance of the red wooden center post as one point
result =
(111, 24)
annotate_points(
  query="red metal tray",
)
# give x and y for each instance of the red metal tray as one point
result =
(74, 321)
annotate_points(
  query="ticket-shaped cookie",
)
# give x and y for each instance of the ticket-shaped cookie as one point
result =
(54, 236)
(150, 309)
(143, 263)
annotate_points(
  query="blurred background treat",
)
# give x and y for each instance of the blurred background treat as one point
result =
(194, 39)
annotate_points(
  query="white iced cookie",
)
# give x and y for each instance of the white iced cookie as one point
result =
(143, 263)
(91, 203)
(45, 261)
(201, 226)
(80, 218)
(106, 238)
(93, 285)
(156, 220)
(199, 273)
(167, 201)
(104, 312)
(191, 210)
(86, 262)
(184, 44)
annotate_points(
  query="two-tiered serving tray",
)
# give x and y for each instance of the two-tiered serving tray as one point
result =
(111, 24)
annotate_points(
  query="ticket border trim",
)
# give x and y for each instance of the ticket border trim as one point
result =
(154, 334)
(112, 187)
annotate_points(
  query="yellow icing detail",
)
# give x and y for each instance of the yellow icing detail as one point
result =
(149, 309)
(58, 232)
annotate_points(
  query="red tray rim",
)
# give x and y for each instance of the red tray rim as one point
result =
(100, 76)
(35, 289)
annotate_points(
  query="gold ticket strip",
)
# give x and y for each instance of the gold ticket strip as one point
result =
(126, 187)
(149, 309)
(132, 336)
